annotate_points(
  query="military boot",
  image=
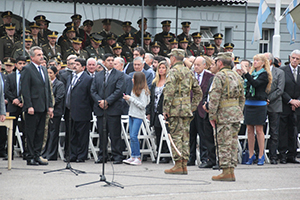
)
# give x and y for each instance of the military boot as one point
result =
(232, 173)
(225, 176)
(184, 168)
(177, 169)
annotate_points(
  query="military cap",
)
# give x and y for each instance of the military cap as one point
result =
(6, 14)
(140, 20)
(166, 23)
(185, 23)
(10, 26)
(147, 36)
(77, 40)
(167, 35)
(28, 38)
(129, 36)
(47, 21)
(45, 58)
(218, 36)
(40, 18)
(9, 61)
(88, 22)
(126, 23)
(209, 46)
(63, 64)
(177, 52)
(76, 16)
(96, 37)
(196, 35)
(34, 25)
(183, 40)
(26, 31)
(69, 24)
(53, 34)
(224, 55)
(116, 46)
(236, 60)
(155, 44)
(174, 41)
(70, 29)
(28, 59)
(111, 36)
(228, 46)
(106, 21)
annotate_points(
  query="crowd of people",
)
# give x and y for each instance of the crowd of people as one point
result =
(198, 91)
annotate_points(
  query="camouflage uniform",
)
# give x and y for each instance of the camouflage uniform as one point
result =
(177, 104)
(226, 103)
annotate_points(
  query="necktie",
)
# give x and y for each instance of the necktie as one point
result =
(40, 70)
(18, 82)
(106, 76)
(68, 98)
(199, 78)
(295, 74)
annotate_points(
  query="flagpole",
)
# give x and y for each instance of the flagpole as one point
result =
(276, 36)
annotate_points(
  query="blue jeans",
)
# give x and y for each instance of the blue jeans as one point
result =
(134, 127)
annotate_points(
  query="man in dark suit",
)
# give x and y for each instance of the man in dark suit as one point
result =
(274, 107)
(65, 73)
(138, 64)
(79, 105)
(137, 52)
(290, 104)
(208, 158)
(13, 95)
(107, 91)
(36, 92)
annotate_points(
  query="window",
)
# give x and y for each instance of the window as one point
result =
(207, 34)
(264, 43)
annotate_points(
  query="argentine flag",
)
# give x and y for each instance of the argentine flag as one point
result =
(291, 26)
(262, 15)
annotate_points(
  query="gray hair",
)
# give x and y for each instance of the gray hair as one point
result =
(150, 56)
(296, 51)
(270, 56)
(139, 59)
(32, 49)
(52, 60)
(120, 60)
(203, 61)
(91, 59)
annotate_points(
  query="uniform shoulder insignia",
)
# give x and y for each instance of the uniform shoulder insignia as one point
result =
(3, 37)
(84, 50)
(44, 45)
(69, 50)
(57, 45)
(20, 49)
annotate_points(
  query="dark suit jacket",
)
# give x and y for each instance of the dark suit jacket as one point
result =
(277, 87)
(130, 68)
(81, 101)
(114, 89)
(64, 75)
(291, 89)
(36, 93)
(11, 92)
(129, 85)
(205, 94)
(149, 77)
(58, 89)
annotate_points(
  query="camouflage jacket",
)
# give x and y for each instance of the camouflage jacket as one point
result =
(180, 82)
(226, 97)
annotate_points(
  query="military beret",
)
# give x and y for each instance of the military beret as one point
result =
(166, 23)
(106, 21)
(6, 14)
(53, 34)
(209, 46)
(96, 37)
(196, 35)
(218, 36)
(116, 46)
(126, 23)
(128, 36)
(9, 61)
(155, 44)
(77, 40)
(76, 16)
(34, 25)
(186, 24)
(177, 52)
(10, 26)
(88, 22)
(140, 20)
(228, 45)
(147, 36)
(40, 18)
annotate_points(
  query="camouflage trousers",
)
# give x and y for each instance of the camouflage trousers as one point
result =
(227, 140)
(179, 129)
(46, 131)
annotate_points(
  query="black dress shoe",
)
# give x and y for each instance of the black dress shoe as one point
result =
(292, 160)
(38, 160)
(205, 165)
(100, 160)
(273, 162)
(3, 154)
(6, 158)
(283, 161)
(216, 167)
(116, 162)
(32, 162)
(190, 163)
(164, 160)
(80, 160)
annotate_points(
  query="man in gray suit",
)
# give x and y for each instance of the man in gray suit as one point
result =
(274, 107)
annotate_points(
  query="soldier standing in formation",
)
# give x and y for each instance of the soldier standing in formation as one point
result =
(7, 19)
(218, 37)
(196, 48)
(166, 26)
(178, 108)
(95, 50)
(185, 32)
(51, 49)
(127, 50)
(7, 42)
(226, 103)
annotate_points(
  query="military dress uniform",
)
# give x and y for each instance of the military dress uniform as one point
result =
(7, 46)
(81, 53)
(48, 50)
(159, 37)
(226, 103)
(121, 38)
(197, 50)
(218, 49)
(177, 103)
(95, 53)
(2, 28)
(127, 53)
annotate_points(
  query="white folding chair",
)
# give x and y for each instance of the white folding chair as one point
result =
(125, 134)
(148, 139)
(94, 149)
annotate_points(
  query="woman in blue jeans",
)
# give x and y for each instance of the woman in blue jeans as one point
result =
(139, 99)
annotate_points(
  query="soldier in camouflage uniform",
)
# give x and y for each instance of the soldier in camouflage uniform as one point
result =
(178, 108)
(226, 103)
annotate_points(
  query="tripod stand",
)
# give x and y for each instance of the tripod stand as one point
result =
(102, 176)
(68, 113)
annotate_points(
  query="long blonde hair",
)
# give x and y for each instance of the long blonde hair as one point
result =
(157, 76)
(266, 66)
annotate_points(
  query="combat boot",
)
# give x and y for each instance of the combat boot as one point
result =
(177, 169)
(226, 175)
(232, 173)
(184, 168)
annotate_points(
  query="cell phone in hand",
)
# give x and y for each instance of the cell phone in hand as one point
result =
(238, 66)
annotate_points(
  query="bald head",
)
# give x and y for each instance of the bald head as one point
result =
(199, 64)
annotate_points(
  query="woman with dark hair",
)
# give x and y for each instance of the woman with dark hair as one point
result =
(58, 89)
(257, 86)
(155, 106)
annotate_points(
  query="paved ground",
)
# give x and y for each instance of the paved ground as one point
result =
(147, 182)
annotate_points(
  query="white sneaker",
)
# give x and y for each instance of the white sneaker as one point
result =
(129, 160)
(136, 162)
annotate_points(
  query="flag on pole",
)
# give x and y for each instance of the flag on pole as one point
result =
(262, 15)
(290, 23)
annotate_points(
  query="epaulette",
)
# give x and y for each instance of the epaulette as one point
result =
(19, 49)
(3, 37)
(44, 45)
(69, 50)
(84, 50)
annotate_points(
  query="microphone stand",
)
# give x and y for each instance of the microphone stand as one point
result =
(102, 176)
(68, 166)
